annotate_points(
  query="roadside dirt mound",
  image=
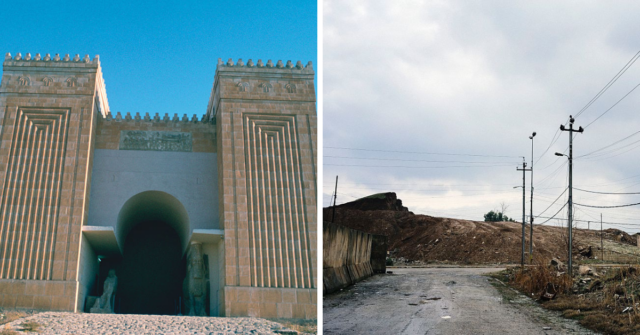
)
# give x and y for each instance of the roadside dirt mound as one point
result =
(425, 238)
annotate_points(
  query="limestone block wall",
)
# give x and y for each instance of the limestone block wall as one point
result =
(48, 110)
(266, 120)
(347, 256)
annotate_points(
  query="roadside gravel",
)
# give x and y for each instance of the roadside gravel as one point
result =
(70, 323)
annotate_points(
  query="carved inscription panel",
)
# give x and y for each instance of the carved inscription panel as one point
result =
(155, 140)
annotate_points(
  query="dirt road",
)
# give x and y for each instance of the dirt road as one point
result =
(438, 301)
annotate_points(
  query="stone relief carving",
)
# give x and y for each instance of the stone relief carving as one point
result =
(72, 82)
(291, 88)
(104, 304)
(24, 81)
(155, 140)
(266, 87)
(243, 87)
(47, 81)
(194, 286)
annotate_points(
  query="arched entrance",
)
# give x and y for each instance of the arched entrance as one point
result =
(152, 231)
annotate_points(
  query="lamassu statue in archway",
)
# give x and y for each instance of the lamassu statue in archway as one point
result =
(104, 303)
(194, 287)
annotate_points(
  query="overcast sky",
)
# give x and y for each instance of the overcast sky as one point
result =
(470, 81)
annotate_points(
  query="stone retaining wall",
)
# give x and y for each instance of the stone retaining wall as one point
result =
(347, 256)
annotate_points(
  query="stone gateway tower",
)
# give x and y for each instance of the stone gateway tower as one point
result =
(215, 215)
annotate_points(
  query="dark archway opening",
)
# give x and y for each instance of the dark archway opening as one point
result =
(151, 271)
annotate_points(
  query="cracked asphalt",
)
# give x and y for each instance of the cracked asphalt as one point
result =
(438, 301)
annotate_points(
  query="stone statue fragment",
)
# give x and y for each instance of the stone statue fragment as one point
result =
(104, 304)
(194, 285)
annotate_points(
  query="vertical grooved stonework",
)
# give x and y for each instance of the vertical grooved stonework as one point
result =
(31, 190)
(278, 235)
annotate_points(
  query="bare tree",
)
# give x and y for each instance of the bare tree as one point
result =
(503, 208)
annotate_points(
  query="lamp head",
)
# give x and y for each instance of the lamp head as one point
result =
(559, 154)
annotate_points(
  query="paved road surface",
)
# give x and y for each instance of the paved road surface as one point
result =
(436, 301)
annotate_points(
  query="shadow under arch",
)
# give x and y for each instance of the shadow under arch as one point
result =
(153, 206)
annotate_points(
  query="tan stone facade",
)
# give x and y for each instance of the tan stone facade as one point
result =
(48, 113)
(267, 124)
(261, 129)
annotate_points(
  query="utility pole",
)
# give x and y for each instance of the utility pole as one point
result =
(588, 225)
(601, 243)
(524, 170)
(335, 196)
(571, 131)
(531, 206)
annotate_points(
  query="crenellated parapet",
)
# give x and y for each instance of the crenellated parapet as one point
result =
(279, 81)
(157, 118)
(113, 130)
(75, 76)
(261, 65)
(19, 60)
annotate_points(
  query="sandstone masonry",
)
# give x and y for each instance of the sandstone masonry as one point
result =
(241, 181)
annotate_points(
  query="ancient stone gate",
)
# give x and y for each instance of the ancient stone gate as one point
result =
(78, 183)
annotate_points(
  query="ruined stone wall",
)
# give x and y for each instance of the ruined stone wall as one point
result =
(266, 120)
(48, 110)
(348, 256)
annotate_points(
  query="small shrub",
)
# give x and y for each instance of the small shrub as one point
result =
(389, 262)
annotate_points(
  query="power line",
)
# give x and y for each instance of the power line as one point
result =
(554, 215)
(410, 160)
(554, 201)
(618, 206)
(610, 108)
(594, 220)
(421, 152)
(604, 155)
(419, 167)
(625, 193)
(610, 145)
(611, 82)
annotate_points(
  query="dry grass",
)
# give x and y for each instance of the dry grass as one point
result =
(535, 279)
(7, 331)
(299, 325)
(9, 316)
(598, 305)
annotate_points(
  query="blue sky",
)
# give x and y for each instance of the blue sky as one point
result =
(161, 56)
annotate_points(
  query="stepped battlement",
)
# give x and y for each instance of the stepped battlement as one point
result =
(156, 118)
(279, 65)
(28, 60)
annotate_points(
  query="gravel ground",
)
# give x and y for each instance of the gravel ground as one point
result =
(70, 323)
(438, 301)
